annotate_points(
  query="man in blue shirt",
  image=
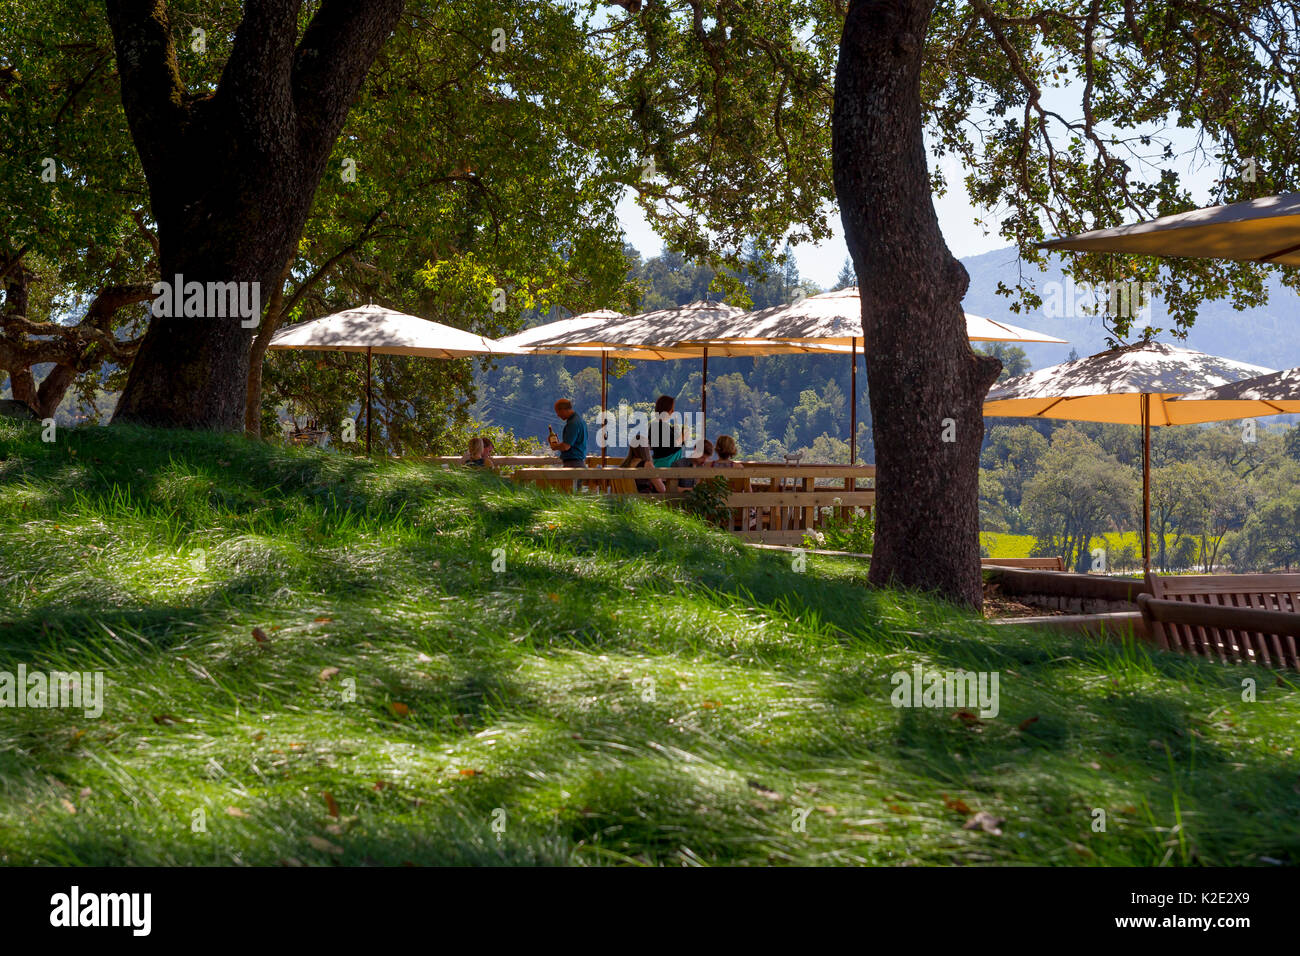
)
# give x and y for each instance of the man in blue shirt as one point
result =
(572, 443)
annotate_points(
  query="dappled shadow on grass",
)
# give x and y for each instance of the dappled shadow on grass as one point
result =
(614, 585)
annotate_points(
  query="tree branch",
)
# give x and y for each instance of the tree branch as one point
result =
(257, 74)
(152, 92)
(331, 63)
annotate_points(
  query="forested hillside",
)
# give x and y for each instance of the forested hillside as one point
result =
(771, 405)
(780, 404)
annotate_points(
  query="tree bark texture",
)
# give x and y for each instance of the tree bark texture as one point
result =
(926, 384)
(232, 177)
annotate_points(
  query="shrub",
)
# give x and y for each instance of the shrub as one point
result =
(856, 534)
(707, 499)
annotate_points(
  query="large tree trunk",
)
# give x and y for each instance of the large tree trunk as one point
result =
(232, 177)
(926, 383)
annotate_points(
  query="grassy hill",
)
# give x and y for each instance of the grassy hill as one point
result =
(315, 658)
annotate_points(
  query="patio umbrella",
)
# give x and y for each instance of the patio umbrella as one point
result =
(373, 329)
(651, 335)
(1258, 230)
(1130, 385)
(1274, 394)
(834, 320)
(539, 338)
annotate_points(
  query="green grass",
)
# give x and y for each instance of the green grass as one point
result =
(521, 695)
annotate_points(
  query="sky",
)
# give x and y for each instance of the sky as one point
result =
(821, 263)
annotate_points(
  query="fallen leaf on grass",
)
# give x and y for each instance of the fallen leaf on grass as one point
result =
(966, 717)
(236, 812)
(763, 791)
(398, 709)
(1024, 724)
(259, 635)
(901, 810)
(331, 805)
(166, 719)
(328, 673)
(324, 620)
(320, 843)
(85, 792)
(68, 805)
(985, 821)
(379, 785)
(957, 804)
(423, 658)
(710, 704)
(470, 773)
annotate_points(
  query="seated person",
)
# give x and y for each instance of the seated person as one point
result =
(478, 455)
(666, 433)
(701, 460)
(726, 448)
(638, 456)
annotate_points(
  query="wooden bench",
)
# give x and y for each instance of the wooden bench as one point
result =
(1251, 618)
(1056, 563)
(770, 503)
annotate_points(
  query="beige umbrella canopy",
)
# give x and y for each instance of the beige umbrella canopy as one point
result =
(381, 331)
(1259, 230)
(1131, 385)
(648, 335)
(835, 318)
(1274, 394)
(374, 329)
(543, 339)
(661, 328)
(832, 321)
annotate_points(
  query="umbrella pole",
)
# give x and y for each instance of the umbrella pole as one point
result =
(853, 392)
(1146, 484)
(704, 394)
(604, 425)
(368, 363)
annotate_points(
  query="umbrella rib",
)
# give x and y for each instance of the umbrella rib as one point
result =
(1280, 253)
(1049, 407)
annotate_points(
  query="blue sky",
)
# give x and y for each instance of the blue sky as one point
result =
(822, 263)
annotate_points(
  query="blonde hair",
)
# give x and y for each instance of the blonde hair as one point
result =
(725, 447)
(476, 448)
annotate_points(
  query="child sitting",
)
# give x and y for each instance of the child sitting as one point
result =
(477, 456)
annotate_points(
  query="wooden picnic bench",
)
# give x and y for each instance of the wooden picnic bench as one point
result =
(771, 503)
(1227, 617)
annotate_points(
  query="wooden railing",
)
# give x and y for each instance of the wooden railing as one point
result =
(515, 461)
(771, 503)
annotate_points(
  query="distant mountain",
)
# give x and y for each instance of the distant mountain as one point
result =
(1268, 336)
